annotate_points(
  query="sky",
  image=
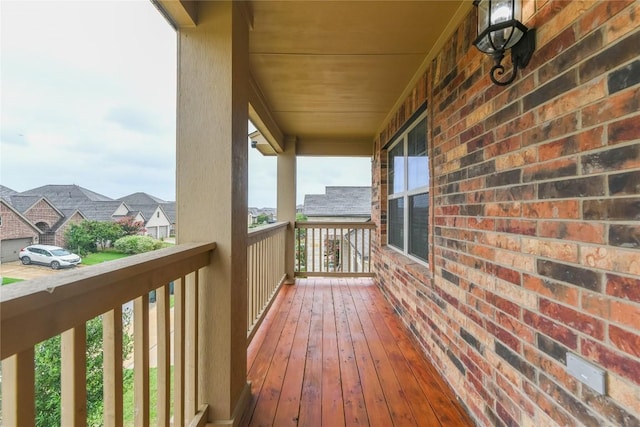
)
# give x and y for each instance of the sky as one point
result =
(87, 97)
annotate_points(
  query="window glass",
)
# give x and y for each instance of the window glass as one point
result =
(396, 223)
(408, 187)
(418, 168)
(419, 225)
(396, 169)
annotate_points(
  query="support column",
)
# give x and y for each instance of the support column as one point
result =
(287, 202)
(211, 202)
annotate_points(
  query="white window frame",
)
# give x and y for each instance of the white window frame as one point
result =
(406, 194)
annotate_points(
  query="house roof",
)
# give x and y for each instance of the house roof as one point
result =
(141, 198)
(169, 209)
(99, 211)
(339, 201)
(68, 197)
(22, 202)
(6, 192)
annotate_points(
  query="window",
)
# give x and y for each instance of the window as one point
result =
(408, 184)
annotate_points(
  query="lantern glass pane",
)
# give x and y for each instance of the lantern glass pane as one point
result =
(483, 15)
(501, 11)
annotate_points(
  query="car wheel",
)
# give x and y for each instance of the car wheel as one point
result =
(55, 265)
(25, 260)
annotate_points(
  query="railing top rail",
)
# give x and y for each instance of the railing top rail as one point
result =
(37, 309)
(335, 224)
(260, 233)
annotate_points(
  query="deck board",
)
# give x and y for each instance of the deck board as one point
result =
(331, 352)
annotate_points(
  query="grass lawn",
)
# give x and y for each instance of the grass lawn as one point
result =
(127, 398)
(7, 280)
(102, 256)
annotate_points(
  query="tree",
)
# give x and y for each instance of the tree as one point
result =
(48, 359)
(80, 238)
(263, 218)
(130, 226)
(301, 244)
(85, 237)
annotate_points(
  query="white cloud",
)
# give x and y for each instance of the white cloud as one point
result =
(88, 97)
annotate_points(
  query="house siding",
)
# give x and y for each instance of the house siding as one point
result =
(534, 231)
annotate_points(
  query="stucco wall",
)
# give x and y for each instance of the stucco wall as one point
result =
(535, 240)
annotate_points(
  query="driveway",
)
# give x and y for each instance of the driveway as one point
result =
(16, 270)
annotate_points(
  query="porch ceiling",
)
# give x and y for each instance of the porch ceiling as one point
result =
(328, 73)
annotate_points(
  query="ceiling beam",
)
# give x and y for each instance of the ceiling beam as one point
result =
(179, 13)
(362, 147)
(261, 117)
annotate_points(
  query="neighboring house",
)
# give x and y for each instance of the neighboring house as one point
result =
(16, 231)
(255, 213)
(43, 214)
(333, 246)
(339, 204)
(158, 215)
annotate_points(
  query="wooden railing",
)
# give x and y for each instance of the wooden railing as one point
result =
(333, 248)
(265, 270)
(62, 304)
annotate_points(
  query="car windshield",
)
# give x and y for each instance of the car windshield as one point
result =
(60, 252)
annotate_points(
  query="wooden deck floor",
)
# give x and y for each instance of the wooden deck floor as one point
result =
(331, 352)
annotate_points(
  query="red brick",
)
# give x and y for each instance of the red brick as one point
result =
(572, 318)
(578, 143)
(600, 14)
(611, 360)
(623, 287)
(588, 232)
(556, 209)
(550, 328)
(624, 130)
(621, 104)
(626, 341)
(551, 289)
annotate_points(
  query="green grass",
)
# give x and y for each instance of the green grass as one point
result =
(127, 398)
(7, 280)
(102, 256)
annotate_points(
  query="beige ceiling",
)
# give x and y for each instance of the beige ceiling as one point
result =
(329, 72)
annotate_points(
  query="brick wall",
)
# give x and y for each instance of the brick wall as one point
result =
(535, 227)
(60, 232)
(14, 227)
(43, 212)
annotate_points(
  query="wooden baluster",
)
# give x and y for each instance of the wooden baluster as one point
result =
(141, 360)
(18, 389)
(163, 349)
(112, 367)
(178, 352)
(73, 375)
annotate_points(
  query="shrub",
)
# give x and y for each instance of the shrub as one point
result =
(137, 244)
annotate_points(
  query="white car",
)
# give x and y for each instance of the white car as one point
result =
(53, 256)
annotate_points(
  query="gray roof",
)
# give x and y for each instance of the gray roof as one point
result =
(6, 192)
(99, 211)
(66, 197)
(141, 198)
(22, 202)
(339, 201)
(169, 208)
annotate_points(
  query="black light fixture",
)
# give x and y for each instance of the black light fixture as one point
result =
(500, 29)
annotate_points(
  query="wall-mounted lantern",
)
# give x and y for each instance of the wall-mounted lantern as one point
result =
(500, 29)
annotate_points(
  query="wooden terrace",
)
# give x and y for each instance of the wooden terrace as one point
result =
(331, 352)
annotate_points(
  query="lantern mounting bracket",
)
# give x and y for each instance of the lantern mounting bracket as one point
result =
(520, 56)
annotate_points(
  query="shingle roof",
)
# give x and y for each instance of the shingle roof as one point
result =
(6, 192)
(141, 198)
(22, 202)
(66, 197)
(339, 201)
(99, 211)
(169, 208)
